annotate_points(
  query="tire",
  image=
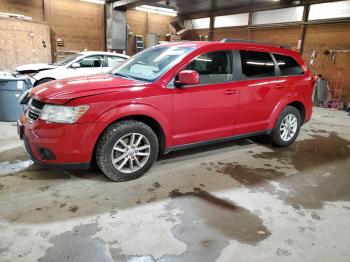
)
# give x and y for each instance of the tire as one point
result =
(44, 80)
(115, 144)
(278, 137)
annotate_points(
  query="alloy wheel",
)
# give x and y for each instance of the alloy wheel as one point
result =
(130, 153)
(288, 127)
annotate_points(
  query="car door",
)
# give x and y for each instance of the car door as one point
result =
(206, 111)
(89, 65)
(261, 88)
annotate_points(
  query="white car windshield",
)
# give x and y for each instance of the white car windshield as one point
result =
(151, 63)
(66, 60)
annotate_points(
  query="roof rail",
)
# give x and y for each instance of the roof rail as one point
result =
(229, 40)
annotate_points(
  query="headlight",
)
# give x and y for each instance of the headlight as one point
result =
(62, 114)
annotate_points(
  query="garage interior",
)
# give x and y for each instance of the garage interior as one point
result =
(234, 201)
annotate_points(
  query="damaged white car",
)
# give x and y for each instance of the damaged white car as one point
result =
(80, 64)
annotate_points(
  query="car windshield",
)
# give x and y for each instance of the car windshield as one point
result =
(150, 64)
(66, 60)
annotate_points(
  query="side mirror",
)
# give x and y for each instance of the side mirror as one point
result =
(187, 77)
(75, 65)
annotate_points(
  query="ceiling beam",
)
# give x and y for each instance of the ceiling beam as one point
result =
(128, 4)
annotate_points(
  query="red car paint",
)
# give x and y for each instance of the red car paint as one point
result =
(185, 116)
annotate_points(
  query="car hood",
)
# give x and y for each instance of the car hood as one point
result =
(34, 68)
(64, 90)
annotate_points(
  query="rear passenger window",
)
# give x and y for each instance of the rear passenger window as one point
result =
(256, 65)
(214, 67)
(288, 66)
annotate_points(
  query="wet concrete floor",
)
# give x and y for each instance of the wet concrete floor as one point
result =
(236, 201)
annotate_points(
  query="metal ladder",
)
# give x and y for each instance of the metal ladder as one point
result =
(139, 43)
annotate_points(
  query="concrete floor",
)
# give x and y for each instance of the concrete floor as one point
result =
(237, 201)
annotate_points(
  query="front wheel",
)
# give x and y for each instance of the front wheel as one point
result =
(287, 127)
(126, 150)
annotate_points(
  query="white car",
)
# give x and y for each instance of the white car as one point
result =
(80, 64)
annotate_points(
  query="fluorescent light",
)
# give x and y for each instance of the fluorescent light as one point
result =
(157, 10)
(101, 2)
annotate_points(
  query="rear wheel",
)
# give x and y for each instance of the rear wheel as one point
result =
(287, 127)
(126, 150)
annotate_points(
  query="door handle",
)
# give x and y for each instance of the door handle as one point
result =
(230, 92)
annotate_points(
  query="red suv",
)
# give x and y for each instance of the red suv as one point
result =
(167, 98)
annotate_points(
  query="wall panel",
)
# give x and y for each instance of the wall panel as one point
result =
(142, 23)
(321, 38)
(79, 24)
(21, 43)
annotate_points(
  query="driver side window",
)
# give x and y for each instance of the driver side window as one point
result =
(213, 67)
(92, 61)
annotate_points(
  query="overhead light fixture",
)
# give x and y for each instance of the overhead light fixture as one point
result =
(101, 2)
(157, 10)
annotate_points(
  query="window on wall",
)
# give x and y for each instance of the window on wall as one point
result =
(214, 67)
(288, 66)
(92, 61)
(283, 15)
(257, 65)
(199, 23)
(339, 9)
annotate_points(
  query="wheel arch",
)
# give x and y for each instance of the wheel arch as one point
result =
(291, 100)
(301, 108)
(151, 121)
(38, 80)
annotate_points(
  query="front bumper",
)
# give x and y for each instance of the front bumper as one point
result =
(59, 145)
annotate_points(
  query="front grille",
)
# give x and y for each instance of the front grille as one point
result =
(34, 109)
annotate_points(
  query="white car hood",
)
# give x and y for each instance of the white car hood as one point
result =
(32, 68)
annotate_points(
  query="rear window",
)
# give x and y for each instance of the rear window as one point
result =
(257, 65)
(288, 66)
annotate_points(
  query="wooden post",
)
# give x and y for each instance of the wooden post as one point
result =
(250, 22)
(212, 20)
(303, 26)
(211, 28)
(46, 11)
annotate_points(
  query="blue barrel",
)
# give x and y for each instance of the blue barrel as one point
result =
(11, 89)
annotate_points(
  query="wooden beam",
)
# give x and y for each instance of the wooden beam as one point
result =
(212, 20)
(46, 10)
(250, 22)
(303, 26)
(128, 4)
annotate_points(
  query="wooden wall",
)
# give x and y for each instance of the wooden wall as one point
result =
(21, 43)
(142, 23)
(79, 24)
(321, 38)
(82, 25)
(318, 37)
